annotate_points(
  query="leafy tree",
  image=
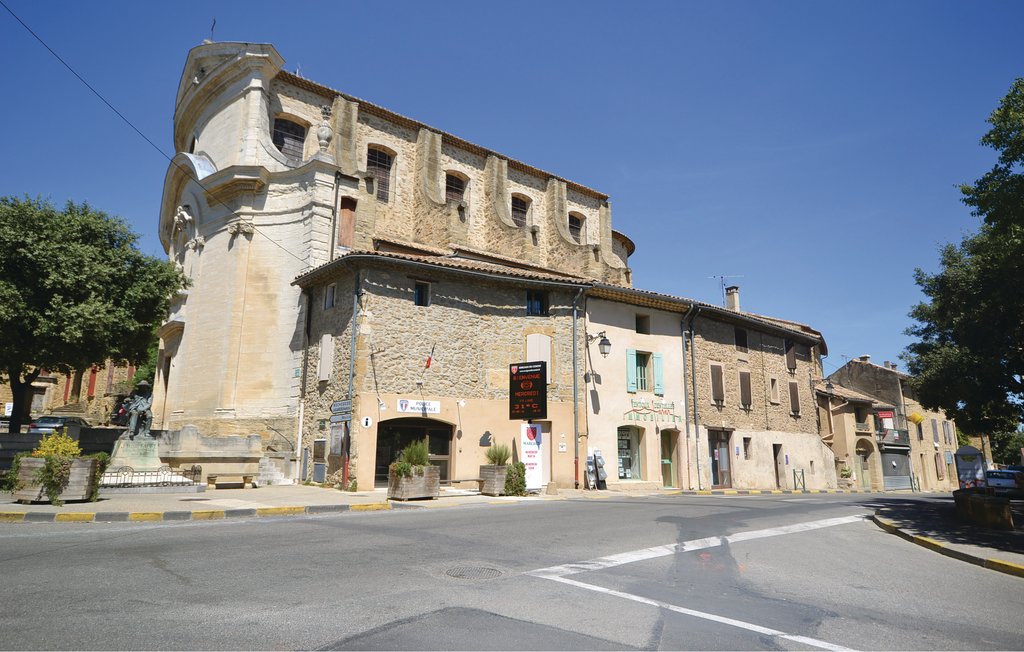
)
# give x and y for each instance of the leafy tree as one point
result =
(74, 291)
(969, 359)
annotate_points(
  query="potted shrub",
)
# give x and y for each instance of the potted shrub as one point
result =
(493, 473)
(56, 471)
(412, 475)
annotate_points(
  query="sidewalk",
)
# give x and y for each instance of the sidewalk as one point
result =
(934, 525)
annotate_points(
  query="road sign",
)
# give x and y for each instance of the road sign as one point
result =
(341, 418)
(344, 405)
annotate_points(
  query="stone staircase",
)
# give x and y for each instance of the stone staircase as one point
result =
(271, 473)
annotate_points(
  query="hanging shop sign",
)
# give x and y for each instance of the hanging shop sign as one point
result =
(530, 442)
(419, 407)
(528, 390)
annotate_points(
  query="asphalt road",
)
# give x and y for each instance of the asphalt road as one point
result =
(680, 572)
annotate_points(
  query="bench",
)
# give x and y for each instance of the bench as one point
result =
(229, 478)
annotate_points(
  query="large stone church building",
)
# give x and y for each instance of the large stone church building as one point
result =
(360, 280)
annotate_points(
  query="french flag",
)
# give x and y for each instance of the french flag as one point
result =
(430, 358)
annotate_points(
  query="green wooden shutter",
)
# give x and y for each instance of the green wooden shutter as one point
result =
(659, 375)
(631, 370)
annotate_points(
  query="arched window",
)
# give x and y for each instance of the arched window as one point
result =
(378, 163)
(454, 187)
(520, 209)
(576, 222)
(289, 137)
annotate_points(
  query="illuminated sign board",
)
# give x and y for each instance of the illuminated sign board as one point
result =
(528, 390)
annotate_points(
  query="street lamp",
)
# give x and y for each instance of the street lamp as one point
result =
(604, 345)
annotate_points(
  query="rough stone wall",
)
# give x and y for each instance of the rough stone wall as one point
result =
(765, 360)
(472, 368)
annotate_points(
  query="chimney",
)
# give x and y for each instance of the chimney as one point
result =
(865, 358)
(732, 298)
(886, 364)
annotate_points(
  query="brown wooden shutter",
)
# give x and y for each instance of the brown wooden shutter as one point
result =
(717, 387)
(745, 389)
(794, 398)
(790, 355)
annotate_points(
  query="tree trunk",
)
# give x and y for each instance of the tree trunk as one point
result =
(21, 391)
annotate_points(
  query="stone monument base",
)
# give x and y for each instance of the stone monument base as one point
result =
(141, 454)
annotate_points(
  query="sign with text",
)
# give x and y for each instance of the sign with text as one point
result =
(528, 390)
(530, 441)
(421, 407)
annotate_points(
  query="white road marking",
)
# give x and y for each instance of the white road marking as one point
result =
(806, 640)
(696, 544)
(561, 573)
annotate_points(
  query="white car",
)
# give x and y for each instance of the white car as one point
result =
(1008, 483)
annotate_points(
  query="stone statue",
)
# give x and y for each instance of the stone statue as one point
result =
(140, 415)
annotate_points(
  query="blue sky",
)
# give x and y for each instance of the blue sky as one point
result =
(810, 150)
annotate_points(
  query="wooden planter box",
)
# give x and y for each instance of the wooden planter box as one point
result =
(80, 484)
(493, 477)
(427, 485)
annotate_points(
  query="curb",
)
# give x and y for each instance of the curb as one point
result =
(200, 515)
(992, 563)
(760, 492)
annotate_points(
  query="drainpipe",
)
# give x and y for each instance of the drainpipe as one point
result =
(576, 391)
(302, 385)
(347, 445)
(696, 410)
(686, 396)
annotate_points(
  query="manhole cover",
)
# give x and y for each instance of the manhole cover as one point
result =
(473, 573)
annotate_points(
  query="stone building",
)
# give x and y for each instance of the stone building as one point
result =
(732, 409)
(849, 424)
(276, 175)
(915, 445)
(92, 393)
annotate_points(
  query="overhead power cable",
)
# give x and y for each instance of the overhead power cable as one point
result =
(138, 131)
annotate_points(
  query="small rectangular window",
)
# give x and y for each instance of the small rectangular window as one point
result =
(289, 137)
(745, 394)
(773, 390)
(794, 398)
(746, 448)
(329, 296)
(791, 355)
(576, 227)
(920, 433)
(378, 163)
(643, 383)
(935, 430)
(643, 324)
(536, 303)
(421, 293)
(717, 386)
(741, 340)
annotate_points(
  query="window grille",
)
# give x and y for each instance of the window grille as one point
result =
(536, 303)
(576, 227)
(289, 138)
(519, 209)
(378, 163)
(454, 187)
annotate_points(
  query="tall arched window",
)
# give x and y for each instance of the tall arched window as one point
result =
(520, 209)
(454, 187)
(576, 222)
(289, 137)
(378, 163)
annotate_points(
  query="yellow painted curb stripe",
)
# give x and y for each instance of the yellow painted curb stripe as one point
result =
(927, 542)
(776, 491)
(12, 517)
(678, 492)
(277, 511)
(371, 507)
(730, 492)
(755, 492)
(76, 517)
(146, 516)
(1005, 566)
(703, 492)
(208, 515)
(501, 502)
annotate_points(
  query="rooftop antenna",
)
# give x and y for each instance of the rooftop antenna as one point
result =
(214, 24)
(721, 280)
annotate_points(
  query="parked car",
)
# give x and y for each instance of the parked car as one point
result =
(46, 425)
(1006, 483)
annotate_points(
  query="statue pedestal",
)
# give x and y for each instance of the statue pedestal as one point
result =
(140, 454)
